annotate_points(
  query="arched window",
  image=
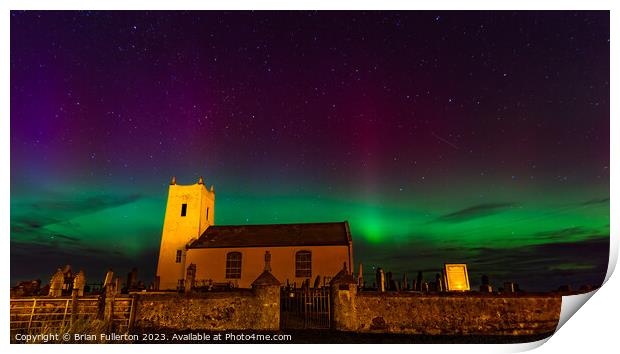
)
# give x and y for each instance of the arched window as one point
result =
(233, 265)
(303, 264)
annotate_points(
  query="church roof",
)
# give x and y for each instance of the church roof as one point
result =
(274, 235)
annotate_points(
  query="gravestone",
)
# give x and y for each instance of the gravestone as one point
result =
(485, 286)
(317, 282)
(79, 281)
(509, 287)
(380, 280)
(389, 281)
(438, 283)
(132, 279)
(360, 277)
(68, 278)
(191, 278)
(424, 287)
(405, 282)
(419, 281)
(57, 283)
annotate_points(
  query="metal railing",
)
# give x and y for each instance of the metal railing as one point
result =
(53, 314)
(305, 308)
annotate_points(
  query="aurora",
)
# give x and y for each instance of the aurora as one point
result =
(466, 137)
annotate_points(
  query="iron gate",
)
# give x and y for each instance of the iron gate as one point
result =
(305, 308)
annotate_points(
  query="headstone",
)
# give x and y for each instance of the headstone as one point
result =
(424, 287)
(57, 283)
(132, 279)
(486, 288)
(389, 281)
(79, 281)
(360, 277)
(438, 283)
(190, 278)
(317, 282)
(457, 278)
(405, 282)
(419, 281)
(68, 279)
(380, 280)
(509, 287)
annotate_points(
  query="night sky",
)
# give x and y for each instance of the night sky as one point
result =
(477, 137)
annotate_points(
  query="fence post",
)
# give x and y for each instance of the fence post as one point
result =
(34, 305)
(64, 316)
(132, 312)
(74, 306)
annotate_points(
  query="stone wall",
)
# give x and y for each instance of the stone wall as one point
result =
(446, 314)
(257, 309)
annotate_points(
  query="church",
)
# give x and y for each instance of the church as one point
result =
(191, 242)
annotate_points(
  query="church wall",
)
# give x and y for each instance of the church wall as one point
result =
(240, 309)
(450, 314)
(211, 263)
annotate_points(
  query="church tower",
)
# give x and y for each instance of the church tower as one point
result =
(189, 211)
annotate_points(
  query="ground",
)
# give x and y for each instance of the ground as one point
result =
(336, 337)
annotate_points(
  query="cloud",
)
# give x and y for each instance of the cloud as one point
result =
(475, 211)
(33, 221)
(561, 234)
(596, 201)
(29, 216)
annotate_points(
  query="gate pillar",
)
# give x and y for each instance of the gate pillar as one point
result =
(267, 291)
(343, 294)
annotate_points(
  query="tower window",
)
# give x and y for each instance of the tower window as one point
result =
(183, 209)
(178, 257)
(207, 213)
(303, 264)
(233, 265)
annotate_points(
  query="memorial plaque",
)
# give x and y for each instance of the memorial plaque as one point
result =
(457, 278)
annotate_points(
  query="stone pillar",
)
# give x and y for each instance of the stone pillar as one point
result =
(343, 294)
(267, 292)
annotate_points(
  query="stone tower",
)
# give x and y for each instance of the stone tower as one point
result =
(189, 211)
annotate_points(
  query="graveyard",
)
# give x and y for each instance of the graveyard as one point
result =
(345, 310)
